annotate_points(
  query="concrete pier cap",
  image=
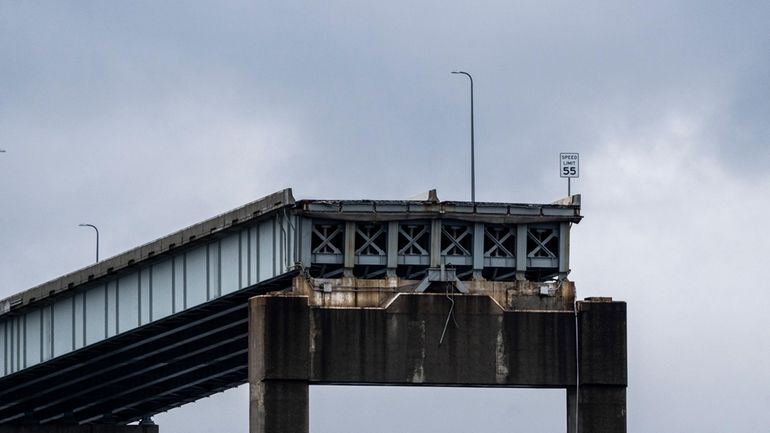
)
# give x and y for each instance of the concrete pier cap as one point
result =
(382, 332)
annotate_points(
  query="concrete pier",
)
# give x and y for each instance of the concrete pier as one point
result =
(298, 340)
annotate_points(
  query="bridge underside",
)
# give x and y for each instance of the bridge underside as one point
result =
(154, 368)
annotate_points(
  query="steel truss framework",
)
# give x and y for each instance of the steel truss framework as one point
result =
(491, 251)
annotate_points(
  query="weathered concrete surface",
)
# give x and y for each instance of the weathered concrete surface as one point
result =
(293, 345)
(601, 408)
(279, 360)
(601, 400)
(357, 292)
(74, 428)
(400, 344)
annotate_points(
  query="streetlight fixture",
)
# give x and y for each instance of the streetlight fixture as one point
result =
(473, 161)
(97, 238)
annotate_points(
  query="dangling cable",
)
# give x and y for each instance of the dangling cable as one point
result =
(450, 314)
(577, 363)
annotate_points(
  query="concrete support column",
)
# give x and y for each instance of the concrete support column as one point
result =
(278, 364)
(600, 401)
(280, 406)
(600, 409)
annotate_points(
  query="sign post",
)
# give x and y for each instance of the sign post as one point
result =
(569, 167)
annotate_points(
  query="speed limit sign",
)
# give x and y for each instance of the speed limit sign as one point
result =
(569, 164)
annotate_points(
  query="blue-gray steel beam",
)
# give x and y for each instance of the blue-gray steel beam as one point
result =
(435, 243)
(478, 250)
(226, 372)
(147, 384)
(564, 250)
(521, 251)
(139, 372)
(349, 252)
(166, 286)
(392, 250)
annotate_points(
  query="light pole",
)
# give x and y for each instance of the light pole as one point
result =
(97, 238)
(473, 159)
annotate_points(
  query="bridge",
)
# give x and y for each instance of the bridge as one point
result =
(167, 323)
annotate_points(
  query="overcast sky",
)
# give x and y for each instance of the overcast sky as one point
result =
(143, 117)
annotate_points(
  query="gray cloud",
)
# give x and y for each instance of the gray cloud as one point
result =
(144, 117)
